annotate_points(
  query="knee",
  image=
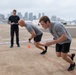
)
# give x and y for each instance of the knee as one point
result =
(58, 55)
(63, 56)
(36, 44)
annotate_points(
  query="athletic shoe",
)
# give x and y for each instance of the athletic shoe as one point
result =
(72, 66)
(11, 46)
(43, 52)
(18, 45)
(72, 56)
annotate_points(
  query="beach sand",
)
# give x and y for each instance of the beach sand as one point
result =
(28, 61)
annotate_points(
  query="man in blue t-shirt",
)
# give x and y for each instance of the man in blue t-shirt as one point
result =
(62, 39)
(36, 34)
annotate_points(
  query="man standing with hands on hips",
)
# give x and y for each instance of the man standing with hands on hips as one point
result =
(13, 21)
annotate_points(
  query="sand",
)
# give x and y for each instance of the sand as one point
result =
(28, 61)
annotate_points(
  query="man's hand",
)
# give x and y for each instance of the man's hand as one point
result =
(12, 23)
(48, 43)
(16, 23)
(29, 40)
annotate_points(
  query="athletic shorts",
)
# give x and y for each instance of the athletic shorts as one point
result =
(65, 48)
(38, 38)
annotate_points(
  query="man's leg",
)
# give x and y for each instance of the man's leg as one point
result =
(72, 56)
(58, 54)
(61, 51)
(38, 45)
(12, 37)
(43, 45)
(66, 58)
(17, 37)
(69, 60)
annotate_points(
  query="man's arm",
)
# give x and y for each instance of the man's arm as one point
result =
(33, 34)
(18, 20)
(10, 23)
(61, 39)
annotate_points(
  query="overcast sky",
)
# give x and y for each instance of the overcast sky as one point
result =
(65, 9)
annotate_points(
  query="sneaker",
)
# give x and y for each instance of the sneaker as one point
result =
(45, 47)
(72, 66)
(43, 52)
(72, 56)
(11, 46)
(18, 45)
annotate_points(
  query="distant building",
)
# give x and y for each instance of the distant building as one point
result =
(43, 14)
(34, 17)
(26, 16)
(2, 16)
(30, 16)
(53, 18)
(20, 15)
(39, 15)
(74, 21)
(58, 19)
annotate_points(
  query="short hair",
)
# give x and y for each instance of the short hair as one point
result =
(44, 19)
(14, 10)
